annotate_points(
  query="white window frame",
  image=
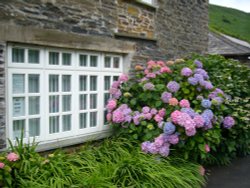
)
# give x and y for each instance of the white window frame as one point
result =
(44, 69)
(150, 2)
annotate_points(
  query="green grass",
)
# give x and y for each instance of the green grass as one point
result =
(229, 21)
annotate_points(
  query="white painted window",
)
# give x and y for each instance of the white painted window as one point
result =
(56, 93)
(148, 1)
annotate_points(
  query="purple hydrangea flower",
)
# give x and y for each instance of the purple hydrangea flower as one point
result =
(206, 103)
(186, 71)
(169, 128)
(193, 81)
(202, 72)
(190, 131)
(149, 86)
(145, 110)
(228, 122)
(217, 100)
(164, 150)
(199, 121)
(209, 113)
(165, 96)
(198, 64)
(173, 139)
(173, 86)
(153, 111)
(153, 149)
(118, 116)
(189, 111)
(199, 77)
(145, 146)
(117, 94)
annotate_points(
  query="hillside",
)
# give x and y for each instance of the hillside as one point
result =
(230, 21)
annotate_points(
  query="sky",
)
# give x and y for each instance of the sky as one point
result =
(243, 5)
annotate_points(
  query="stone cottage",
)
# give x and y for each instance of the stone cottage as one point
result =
(58, 59)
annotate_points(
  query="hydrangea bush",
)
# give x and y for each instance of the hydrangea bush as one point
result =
(169, 106)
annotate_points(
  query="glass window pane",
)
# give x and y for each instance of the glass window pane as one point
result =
(17, 55)
(106, 98)
(53, 58)
(18, 106)
(18, 128)
(83, 83)
(93, 101)
(66, 103)
(107, 62)
(107, 80)
(83, 59)
(66, 122)
(93, 83)
(18, 83)
(54, 124)
(53, 83)
(83, 120)
(53, 103)
(105, 117)
(34, 105)
(93, 119)
(34, 83)
(116, 63)
(34, 127)
(83, 102)
(115, 78)
(66, 83)
(66, 59)
(34, 56)
(93, 61)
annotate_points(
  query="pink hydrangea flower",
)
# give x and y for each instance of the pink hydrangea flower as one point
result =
(148, 116)
(173, 139)
(184, 103)
(116, 84)
(109, 117)
(111, 105)
(158, 118)
(207, 148)
(153, 111)
(12, 156)
(162, 112)
(175, 116)
(160, 140)
(151, 75)
(190, 131)
(202, 170)
(118, 116)
(160, 63)
(173, 102)
(146, 71)
(199, 121)
(2, 165)
(165, 70)
(123, 78)
(113, 90)
(151, 63)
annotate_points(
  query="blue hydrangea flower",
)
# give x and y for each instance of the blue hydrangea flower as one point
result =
(189, 111)
(198, 64)
(206, 103)
(169, 128)
(193, 81)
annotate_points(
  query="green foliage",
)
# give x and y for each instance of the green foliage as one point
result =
(113, 163)
(230, 21)
(234, 79)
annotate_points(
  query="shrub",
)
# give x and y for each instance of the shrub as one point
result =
(173, 107)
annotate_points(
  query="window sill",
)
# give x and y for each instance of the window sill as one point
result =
(132, 36)
(147, 4)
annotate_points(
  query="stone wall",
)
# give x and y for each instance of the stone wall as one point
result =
(2, 98)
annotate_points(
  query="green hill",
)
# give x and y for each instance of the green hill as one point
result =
(229, 21)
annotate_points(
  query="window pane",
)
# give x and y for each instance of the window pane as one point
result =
(105, 117)
(18, 106)
(18, 128)
(34, 83)
(66, 122)
(93, 83)
(18, 83)
(107, 62)
(83, 83)
(93, 119)
(34, 56)
(53, 58)
(83, 120)
(53, 83)
(115, 78)
(66, 83)
(93, 61)
(66, 59)
(17, 55)
(116, 63)
(107, 80)
(83, 60)
(34, 127)
(83, 102)
(66, 103)
(93, 101)
(53, 103)
(106, 98)
(54, 124)
(34, 105)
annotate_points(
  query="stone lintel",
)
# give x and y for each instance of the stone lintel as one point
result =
(54, 38)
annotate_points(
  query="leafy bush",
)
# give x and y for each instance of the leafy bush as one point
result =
(173, 105)
(234, 79)
(112, 163)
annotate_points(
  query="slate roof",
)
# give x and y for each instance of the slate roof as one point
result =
(226, 45)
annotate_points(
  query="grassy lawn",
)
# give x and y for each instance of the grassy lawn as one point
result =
(230, 21)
